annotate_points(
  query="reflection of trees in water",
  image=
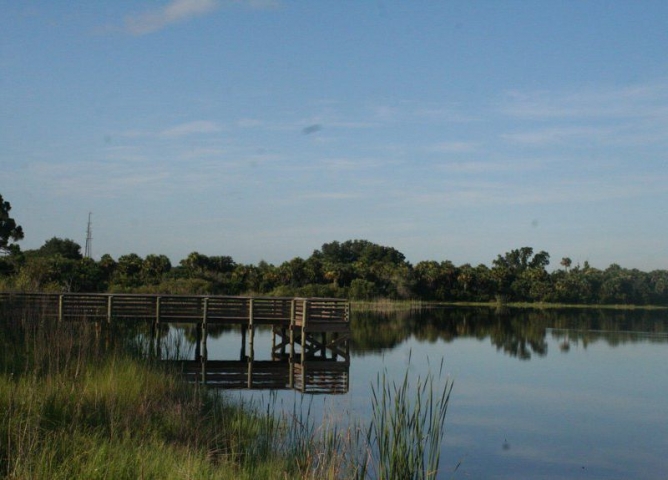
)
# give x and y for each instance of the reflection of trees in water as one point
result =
(507, 331)
(520, 333)
(373, 332)
(614, 327)
(214, 331)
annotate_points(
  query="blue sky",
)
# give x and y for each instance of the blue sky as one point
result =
(262, 129)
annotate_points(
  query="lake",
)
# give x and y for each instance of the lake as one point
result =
(538, 394)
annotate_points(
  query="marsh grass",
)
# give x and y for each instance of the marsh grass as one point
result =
(407, 426)
(77, 405)
(386, 305)
(73, 408)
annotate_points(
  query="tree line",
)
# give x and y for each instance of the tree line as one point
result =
(355, 269)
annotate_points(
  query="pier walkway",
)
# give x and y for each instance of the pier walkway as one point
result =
(310, 336)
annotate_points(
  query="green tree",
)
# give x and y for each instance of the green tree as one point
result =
(516, 272)
(221, 264)
(9, 230)
(38, 274)
(436, 281)
(127, 274)
(65, 248)
(108, 266)
(195, 264)
(153, 268)
(386, 267)
(566, 262)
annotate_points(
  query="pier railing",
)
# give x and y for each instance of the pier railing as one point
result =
(310, 313)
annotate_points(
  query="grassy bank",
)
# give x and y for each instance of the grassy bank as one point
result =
(386, 305)
(75, 406)
(73, 411)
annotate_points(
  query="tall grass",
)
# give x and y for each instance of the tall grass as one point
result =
(77, 406)
(388, 306)
(407, 426)
(75, 409)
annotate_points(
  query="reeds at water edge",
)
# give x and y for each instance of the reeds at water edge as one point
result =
(407, 426)
(76, 407)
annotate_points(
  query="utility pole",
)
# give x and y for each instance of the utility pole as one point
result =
(88, 252)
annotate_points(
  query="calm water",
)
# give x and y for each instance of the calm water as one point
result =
(537, 395)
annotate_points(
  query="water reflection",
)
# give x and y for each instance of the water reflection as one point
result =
(590, 404)
(258, 358)
(310, 376)
(520, 333)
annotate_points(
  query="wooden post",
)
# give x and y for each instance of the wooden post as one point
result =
(60, 307)
(293, 321)
(156, 327)
(110, 300)
(291, 360)
(157, 310)
(249, 378)
(251, 328)
(205, 336)
(304, 323)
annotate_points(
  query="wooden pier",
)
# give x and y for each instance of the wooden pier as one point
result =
(310, 336)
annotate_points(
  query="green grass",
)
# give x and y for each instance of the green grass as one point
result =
(407, 427)
(116, 420)
(75, 408)
(386, 305)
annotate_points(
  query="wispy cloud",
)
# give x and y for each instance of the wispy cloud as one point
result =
(178, 11)
(99, 179)
(260, 4)
(249, 123)
(351, 164)
(554, 135)
(451, 147)
(385, 113)
(192, 128)
(484, 193)
(328, 196)
(438, 114)
(644, 100)
(633, 115)
(175, 11)
(475, 167)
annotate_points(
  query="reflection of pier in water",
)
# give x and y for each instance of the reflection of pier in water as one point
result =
(309, 376)
(310, 347)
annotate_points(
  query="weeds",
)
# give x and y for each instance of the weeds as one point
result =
(407, 427)
(78, 406)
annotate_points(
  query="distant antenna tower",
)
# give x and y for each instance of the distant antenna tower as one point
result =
(88, 253)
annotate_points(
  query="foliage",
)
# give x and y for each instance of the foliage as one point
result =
(65, 248)
(9, 230)
(355, 269)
